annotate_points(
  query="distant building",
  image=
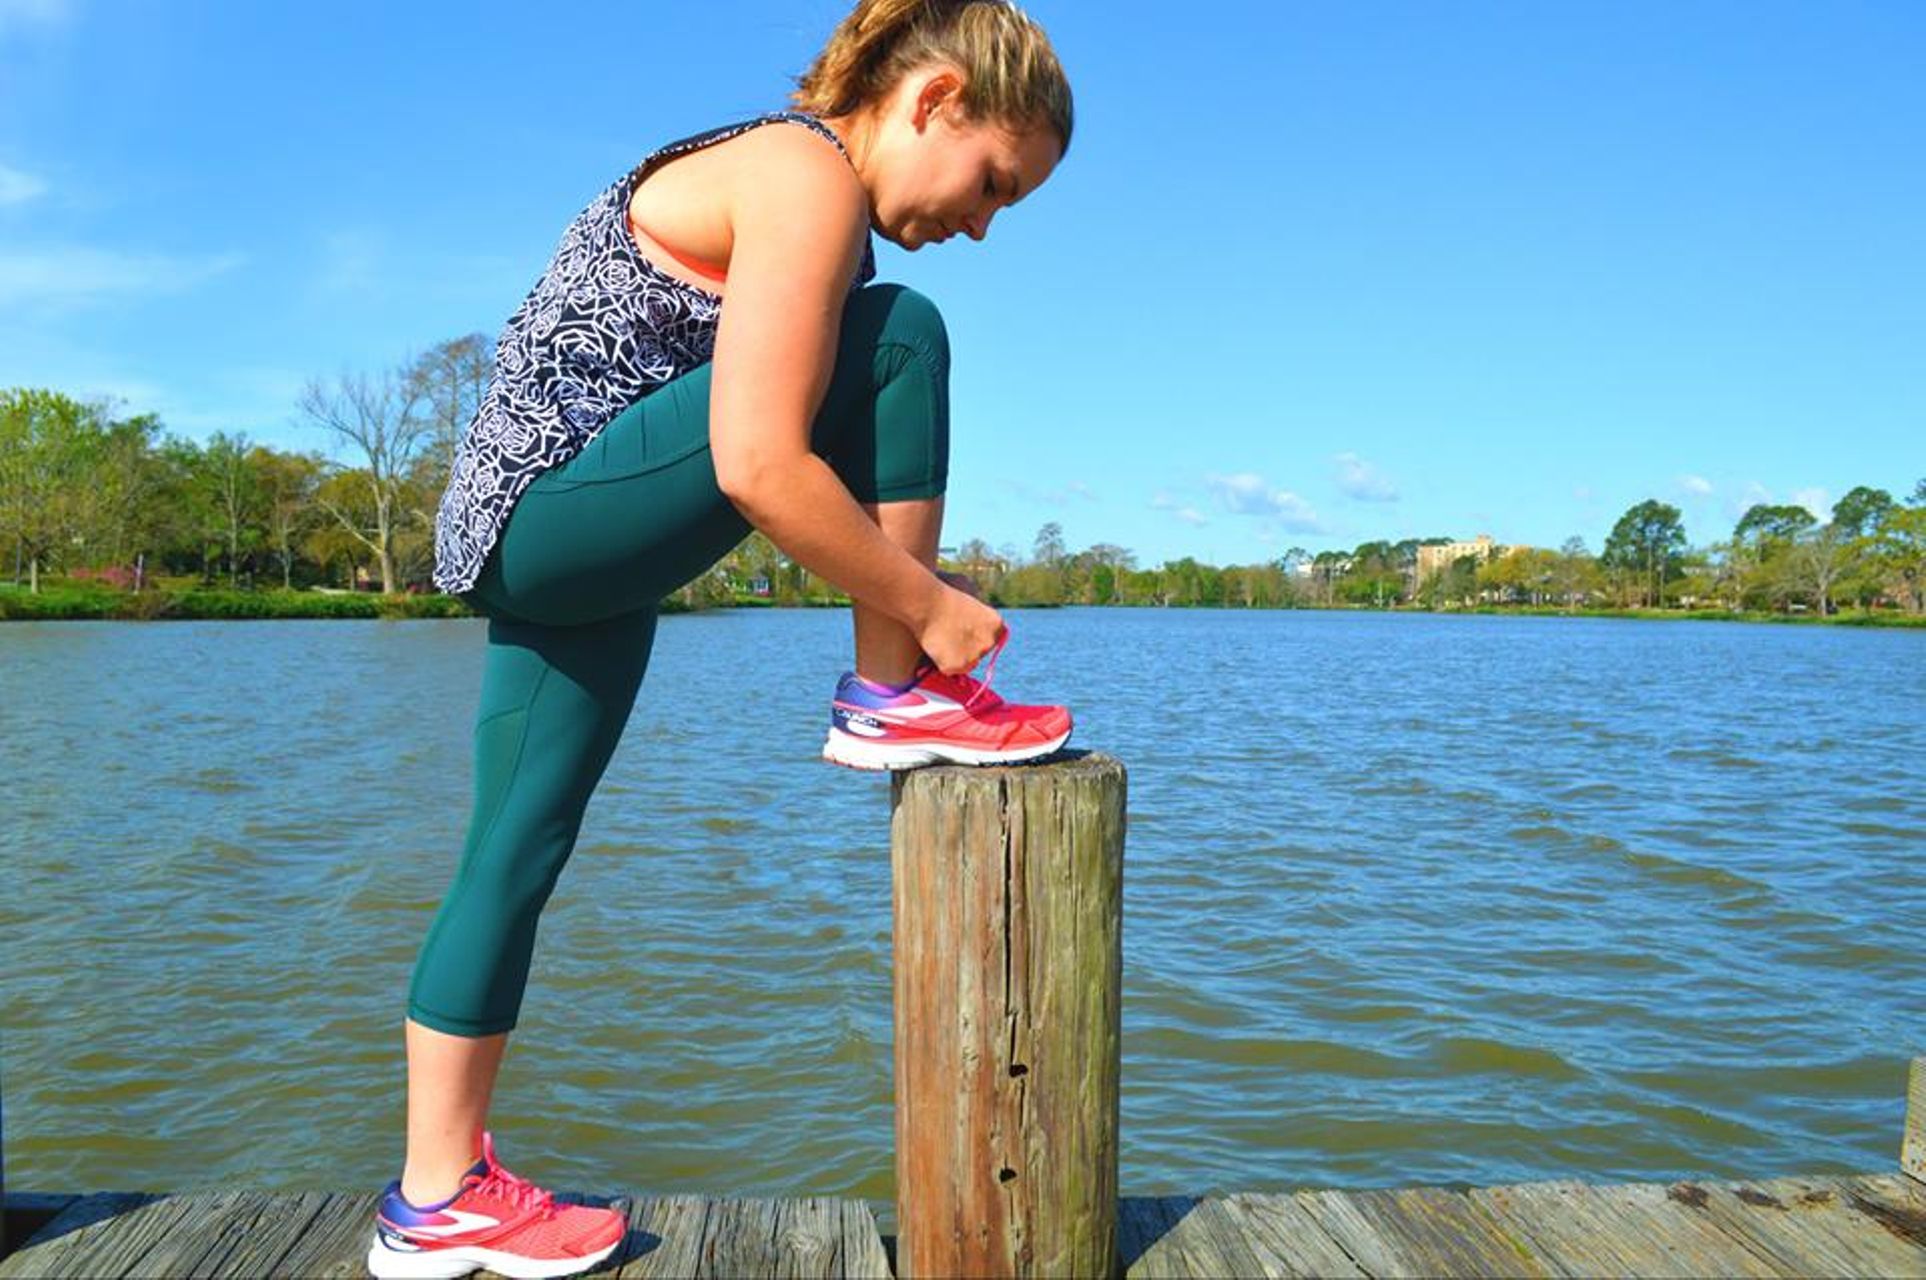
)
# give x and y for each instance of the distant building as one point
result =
(1437, 559)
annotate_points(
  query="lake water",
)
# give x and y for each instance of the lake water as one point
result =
(1408, 899)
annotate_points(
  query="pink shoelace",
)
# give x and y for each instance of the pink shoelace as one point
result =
(519, 1192)
(983, 685)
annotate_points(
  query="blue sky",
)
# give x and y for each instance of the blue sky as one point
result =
(1311, 273)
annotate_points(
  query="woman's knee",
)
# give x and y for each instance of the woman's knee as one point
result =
(894, 314)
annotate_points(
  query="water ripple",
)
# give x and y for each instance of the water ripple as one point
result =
(1464, 903)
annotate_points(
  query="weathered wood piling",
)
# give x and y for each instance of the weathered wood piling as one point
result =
(1008, 916)
(1912, 1147)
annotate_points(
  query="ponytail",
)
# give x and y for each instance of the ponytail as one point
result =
(1011, 74)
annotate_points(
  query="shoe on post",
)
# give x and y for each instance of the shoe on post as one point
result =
(937, 719)
(497, 1221)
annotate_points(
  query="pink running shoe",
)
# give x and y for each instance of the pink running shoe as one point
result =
(934, 719)
(496, 1220)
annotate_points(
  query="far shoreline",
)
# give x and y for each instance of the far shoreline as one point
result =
(91, 604)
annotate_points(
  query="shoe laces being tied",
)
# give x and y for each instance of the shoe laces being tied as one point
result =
(519, 1192)
(989, 674)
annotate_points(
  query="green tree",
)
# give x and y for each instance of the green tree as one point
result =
(1764, 523)
(49, 446)
(1575, 573)
(1646, 545)
(236, 495)
(288, 483)
(1860, 511)
(128, 485)
(1900, 545)
(1049, 546)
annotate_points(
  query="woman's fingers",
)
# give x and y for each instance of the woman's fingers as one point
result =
(962, 582)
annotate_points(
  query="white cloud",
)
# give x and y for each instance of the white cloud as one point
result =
(80, 274)
(1162, 501)
(17, 187)
(1695, 486)
(1814, 500)
(1363, 481)
(1744, 500)
(1247, 494)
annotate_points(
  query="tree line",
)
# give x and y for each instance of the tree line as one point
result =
(87, 492)
(1778, 558)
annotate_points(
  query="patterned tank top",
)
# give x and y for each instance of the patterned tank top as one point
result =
(603, 328)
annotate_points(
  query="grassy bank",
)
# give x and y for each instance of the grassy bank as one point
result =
(1849, 618)
(69, 601)
(61, 599)
(78, 600)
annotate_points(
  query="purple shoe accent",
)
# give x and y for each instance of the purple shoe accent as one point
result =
(858, 692)
(399, 1210)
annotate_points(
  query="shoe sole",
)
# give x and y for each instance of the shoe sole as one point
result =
(861, 753)
(460, 1260)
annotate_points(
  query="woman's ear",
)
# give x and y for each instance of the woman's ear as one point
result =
(939, 89)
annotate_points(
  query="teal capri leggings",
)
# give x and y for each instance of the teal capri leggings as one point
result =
(570, 594)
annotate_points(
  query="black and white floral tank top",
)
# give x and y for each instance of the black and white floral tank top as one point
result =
(602, 328)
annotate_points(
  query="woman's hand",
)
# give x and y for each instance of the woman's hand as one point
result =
(960, 631)
(962, 582)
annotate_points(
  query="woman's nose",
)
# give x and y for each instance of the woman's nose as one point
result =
(978, 226)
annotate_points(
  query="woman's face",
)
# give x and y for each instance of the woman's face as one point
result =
(937, 173)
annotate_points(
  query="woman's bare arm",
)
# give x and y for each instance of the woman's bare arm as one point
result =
(799, 217)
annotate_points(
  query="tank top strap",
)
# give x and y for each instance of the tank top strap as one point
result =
(624, 188)
(709, 137)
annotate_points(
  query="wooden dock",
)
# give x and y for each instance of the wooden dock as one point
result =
(1873, 1225)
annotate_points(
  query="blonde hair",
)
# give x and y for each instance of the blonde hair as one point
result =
(1011, 74)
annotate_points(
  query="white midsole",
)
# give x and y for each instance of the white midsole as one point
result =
(861, 753)
(445, 1264)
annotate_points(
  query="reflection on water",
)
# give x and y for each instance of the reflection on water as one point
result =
(1408, 899)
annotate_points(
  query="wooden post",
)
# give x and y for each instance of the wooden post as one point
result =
(1008, 905)
(1912, 1148)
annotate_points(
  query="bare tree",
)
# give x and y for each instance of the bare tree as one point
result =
(449, 379)
(1819, 561)
(382, 419)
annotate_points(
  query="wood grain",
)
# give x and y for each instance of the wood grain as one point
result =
(1008, 917)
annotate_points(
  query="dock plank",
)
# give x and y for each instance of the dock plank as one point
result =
(1437, 1231)
(1895, 1200)
(1862, 1225)
(1338, 1215)
(737, 1240)
(864, 1255)
(1555, 1221)
(665, 1237)
(1287, 1239)
(336, 1245)
(1187, 1238)
(94, 1235)
(1805, 1226)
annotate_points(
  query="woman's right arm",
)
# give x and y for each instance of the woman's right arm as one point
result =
(798, 217)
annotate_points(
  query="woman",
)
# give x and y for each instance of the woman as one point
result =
(702, 355)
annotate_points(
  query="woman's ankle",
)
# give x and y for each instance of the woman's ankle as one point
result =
(430, 1188)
